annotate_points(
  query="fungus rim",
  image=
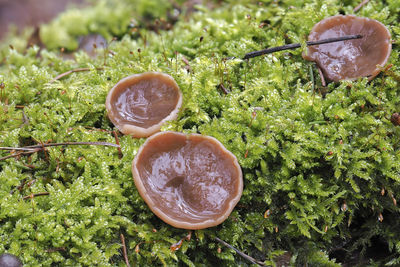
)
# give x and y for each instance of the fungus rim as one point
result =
(137, 131)
(179, 223)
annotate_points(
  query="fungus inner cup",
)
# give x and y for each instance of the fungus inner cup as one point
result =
(351, 59)
(140, 104)
(189, 181)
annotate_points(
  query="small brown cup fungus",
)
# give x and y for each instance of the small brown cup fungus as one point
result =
(140, 104)
(351, 59)
(189, 181)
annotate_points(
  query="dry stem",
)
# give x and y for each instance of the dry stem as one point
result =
(71, 71)
(36, 148)
(36, 195)
(124, 250)
(247, 257)
(363, 3)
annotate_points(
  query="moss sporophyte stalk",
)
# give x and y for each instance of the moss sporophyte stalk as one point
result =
(320, 163)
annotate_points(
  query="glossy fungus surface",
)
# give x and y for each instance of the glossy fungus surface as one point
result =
(189, 181)
(139, 104)
(351, 59)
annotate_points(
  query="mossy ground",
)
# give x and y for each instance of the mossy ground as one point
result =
(321, 164)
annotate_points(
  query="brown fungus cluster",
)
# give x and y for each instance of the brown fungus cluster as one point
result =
(192, 181)
(188, 181)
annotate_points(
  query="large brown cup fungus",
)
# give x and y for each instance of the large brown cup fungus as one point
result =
(140, 104)
(188, 181)
(351, 59)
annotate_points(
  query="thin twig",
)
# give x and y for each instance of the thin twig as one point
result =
(297, 45)
(363, 3)
(124, 250)
(19, 154)
(71, 71)
(17, 148)
(36, 195)
(28, 184)
(247, 257)
(223, 89)
(36, 148)
(74, 143)
(41, 146)
(119, 147)
(321, 75)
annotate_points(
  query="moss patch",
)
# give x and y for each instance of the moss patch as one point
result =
(324, 162)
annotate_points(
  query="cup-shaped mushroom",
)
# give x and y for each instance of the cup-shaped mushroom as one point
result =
(189, 181)
(140, 104)
(351, 59)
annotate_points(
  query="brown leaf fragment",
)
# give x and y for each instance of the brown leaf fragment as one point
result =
(176, 246)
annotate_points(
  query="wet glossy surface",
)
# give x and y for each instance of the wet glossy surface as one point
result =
(190, 178)
(143, 100)
(350, 59)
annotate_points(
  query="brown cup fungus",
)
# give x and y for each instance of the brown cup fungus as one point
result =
(189, 181)
(351, 59)
(140, 104)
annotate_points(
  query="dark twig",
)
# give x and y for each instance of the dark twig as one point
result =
(247, 257)
(44, 150)
(17, 148)
(124, 250)
(51, 250)
(36, 148)
(19, 154)
(363, 3)
(74, 144)
(36, 195)
(223, 89)
(297, 45)
(41, 146)
(119, 147)
(71, 71)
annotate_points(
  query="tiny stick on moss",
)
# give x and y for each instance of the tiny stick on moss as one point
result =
(223, 89)
(36, 195)
(124, 250)
(37, 148)
(297, 45)
(19, 154)
(71, 71)
(247, 257)
(119, 147)
(363, 3)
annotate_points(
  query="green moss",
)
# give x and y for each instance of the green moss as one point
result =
(317, 158)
